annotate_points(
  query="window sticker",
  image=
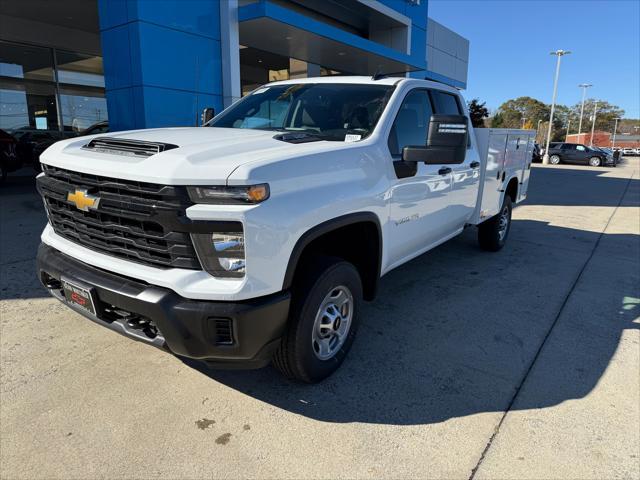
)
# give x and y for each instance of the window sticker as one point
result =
(351, 137)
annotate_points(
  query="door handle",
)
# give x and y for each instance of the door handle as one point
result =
(474, 164)
(444, 171)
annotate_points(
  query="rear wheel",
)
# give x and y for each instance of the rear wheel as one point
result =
(492, 234)
(323, 320)
(595, 161)
(554, 159)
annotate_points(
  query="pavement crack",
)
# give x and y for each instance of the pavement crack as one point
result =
(549, 331)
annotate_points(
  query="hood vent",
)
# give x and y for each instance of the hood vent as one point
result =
(128, 147)
(297, 137)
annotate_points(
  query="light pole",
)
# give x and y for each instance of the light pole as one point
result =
(568, 127)
(593, 122)
(538, 129)
(559, 54)
(584, 87)
(615, 129)
(524, 120)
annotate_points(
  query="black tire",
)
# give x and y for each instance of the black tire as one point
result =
(490, 235)
(595, 161)
(297, 357)
(555, 160)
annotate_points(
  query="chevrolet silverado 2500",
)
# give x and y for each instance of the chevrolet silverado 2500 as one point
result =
(256, 238)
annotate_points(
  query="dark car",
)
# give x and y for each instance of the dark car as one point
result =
(576, 153)
(9, 160)
(39, 147)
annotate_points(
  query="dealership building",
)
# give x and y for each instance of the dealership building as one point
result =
(66, 65)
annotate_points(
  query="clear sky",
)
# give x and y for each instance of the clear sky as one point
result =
(510, 41)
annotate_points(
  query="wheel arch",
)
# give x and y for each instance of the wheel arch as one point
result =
(512, 189)
(322, 239)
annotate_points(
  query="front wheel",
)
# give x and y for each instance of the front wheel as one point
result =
(323, 320)
(492, 234)
(554, 159)
(595, 161)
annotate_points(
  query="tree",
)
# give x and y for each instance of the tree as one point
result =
(605, 116)
(497, 121)
(478, 112)
(513, 111)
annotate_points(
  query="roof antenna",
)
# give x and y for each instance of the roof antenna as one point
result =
(378, 75)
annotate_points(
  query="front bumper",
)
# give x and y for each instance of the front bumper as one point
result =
(240, 334)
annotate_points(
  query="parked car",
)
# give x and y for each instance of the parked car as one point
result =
(9, 160)
(577, 154)
(39, 147)
(612, 157)
(629, 152)
(258, 237)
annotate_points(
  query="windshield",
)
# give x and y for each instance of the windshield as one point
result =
(324, 110)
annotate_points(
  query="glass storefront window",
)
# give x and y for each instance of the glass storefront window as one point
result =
(79, 69)
(27, 105)
(33, 100)
(81, 108)
(26, 62)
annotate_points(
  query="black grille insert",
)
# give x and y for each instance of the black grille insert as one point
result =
(224, 331)
(138, 221)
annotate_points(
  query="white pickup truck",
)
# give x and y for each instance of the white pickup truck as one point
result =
(256, 238)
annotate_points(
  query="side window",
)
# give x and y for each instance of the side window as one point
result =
(568, 146)
(581, 148)
(445, 103)
(412, 122)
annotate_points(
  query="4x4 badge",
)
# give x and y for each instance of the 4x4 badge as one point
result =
(82, 200)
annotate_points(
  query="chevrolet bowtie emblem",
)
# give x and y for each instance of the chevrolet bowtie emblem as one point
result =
(82, 200)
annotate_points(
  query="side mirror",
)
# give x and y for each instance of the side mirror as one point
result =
(207, 114)
(446, 142)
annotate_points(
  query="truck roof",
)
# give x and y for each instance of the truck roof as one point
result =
(364, 80)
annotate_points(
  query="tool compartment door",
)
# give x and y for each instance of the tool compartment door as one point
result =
(492, 185)
(526, 169)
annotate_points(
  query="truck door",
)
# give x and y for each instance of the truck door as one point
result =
(420, 194)
(465, 175)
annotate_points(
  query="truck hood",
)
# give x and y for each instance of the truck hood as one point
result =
(203, 155)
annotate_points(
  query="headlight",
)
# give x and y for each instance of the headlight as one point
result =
(222, 253)
(229, 194)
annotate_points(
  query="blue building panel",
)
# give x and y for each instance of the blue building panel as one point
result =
(164, 107)
(125, 109)
(200, 17)
(162, 59)
(192, 62)
(116, 53)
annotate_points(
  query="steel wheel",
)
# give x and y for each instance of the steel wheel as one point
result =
(503, 223)
(594, 161)
(554, 159)
(332, 323)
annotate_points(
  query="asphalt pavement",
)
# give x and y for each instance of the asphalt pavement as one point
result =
(519, 364)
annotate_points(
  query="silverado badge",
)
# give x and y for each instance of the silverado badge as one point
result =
(82, 200)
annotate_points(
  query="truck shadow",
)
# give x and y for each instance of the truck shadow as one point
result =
(568, 185)
(454, 332)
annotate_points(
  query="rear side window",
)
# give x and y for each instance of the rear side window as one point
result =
(412, 122)
(445, 103)
(568, 146)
